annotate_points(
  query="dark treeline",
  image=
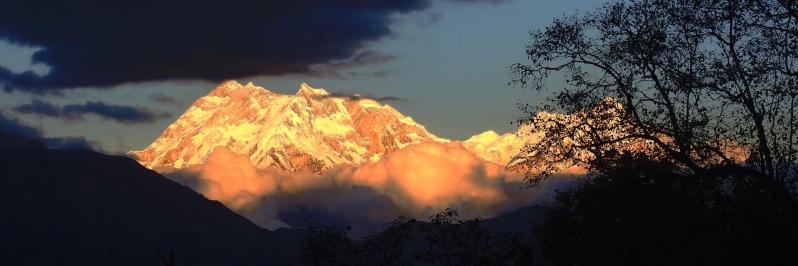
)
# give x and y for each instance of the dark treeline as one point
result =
(684, 113)
(444, 240)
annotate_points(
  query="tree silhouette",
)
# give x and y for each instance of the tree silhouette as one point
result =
(646, 213)
(702, 84)
(325, 245)
(444, 240)
(166, 260)
(452, 241)
(685, 114)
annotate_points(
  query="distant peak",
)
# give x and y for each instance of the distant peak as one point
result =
(231, 83)
(225, 88)
(306, 90)
(233, 87)
(487, 136)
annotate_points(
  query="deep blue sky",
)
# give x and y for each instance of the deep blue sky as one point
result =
(448, 60)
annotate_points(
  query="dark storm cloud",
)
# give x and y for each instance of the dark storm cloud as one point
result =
(15, 127)
(119, 113)
(105, 43)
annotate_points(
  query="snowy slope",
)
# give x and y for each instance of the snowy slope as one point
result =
(493, 147)
(310, 130)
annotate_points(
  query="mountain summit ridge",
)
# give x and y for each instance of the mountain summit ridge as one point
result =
(308, 91)
(309, 130)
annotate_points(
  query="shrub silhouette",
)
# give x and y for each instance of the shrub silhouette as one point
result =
(444, 240)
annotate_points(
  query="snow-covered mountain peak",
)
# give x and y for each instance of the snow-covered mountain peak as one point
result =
(232, 88)
(307, 91)
(484, 137)
(305, 131)
(493, 147)
(230, 84)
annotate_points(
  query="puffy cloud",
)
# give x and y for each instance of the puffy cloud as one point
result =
(434, 176)
(417, 181)
(233, 179)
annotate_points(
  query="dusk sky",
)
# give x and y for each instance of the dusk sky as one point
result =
(446, 62)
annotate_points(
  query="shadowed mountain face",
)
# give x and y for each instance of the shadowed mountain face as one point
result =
(86, 208)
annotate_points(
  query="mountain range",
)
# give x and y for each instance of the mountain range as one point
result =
(310, 130)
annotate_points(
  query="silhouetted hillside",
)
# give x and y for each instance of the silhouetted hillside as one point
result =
(521, 221)
(87, 208)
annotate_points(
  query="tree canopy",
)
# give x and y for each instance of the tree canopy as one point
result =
(684, 111)
(711, 86)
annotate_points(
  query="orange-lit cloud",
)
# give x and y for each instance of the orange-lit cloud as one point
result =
(434, 175)
(232, 179)
(416, 181)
